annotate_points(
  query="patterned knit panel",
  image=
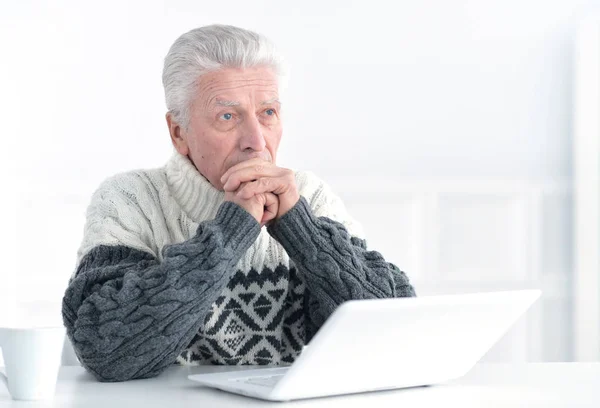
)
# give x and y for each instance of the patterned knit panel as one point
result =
(258, 319)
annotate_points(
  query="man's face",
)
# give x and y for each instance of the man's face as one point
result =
(234, 117)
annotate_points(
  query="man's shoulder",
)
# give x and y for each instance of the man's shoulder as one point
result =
(325, 202)
(133, 184)
(316, 191)
(308, 182)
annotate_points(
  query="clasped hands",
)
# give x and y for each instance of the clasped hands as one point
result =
(261, 188)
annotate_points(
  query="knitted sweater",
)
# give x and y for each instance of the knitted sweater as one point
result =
(168, 272)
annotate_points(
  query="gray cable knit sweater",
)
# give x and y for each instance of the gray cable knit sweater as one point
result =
(170, 273)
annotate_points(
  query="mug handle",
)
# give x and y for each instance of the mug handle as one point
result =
(3, 376)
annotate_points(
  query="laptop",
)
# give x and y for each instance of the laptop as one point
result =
(384, 344)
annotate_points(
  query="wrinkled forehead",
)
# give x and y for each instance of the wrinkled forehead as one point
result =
(233, 87)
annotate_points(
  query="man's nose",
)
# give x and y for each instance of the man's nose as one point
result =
(252, 137)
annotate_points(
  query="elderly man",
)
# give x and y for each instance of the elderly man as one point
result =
(220, 256)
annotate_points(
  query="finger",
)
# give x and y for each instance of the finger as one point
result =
(242, 193)
(241, 165)
(271, 208)
(250, 173)
(275, 185)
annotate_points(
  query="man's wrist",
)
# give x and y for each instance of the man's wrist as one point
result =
(239, 228)
(296, 228)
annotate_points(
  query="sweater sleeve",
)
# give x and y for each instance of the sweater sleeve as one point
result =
(336, 265)
(128, 315)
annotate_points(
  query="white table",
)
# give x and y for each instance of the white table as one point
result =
(486, 385)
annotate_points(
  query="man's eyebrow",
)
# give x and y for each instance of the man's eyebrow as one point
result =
(218, 103)
(227, 103)
(270, 101)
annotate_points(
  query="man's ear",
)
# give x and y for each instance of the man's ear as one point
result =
(177, 137)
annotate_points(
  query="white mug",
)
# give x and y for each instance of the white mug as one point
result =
(32, 358)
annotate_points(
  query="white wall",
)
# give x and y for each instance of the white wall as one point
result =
(586, 191)
(468, 96)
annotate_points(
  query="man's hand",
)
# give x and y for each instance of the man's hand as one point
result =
(263, 207)
(257, 176)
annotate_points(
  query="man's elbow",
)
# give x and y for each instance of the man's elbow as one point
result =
(119, 371)
(110, 368)
(405, 290)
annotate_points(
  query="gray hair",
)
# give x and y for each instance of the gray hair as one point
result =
(207, 49)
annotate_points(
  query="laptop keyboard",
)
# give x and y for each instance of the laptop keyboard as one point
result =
(266, 381)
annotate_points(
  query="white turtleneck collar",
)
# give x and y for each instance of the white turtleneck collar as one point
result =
(197, 196)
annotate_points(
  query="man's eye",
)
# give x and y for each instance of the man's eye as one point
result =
(270, 112)
(226, 116)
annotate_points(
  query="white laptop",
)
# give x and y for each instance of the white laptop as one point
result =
(382, 344)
